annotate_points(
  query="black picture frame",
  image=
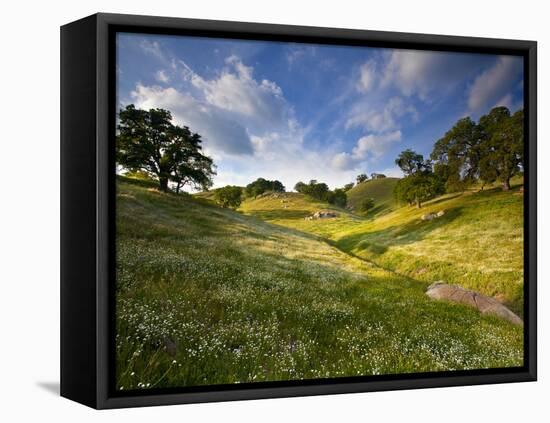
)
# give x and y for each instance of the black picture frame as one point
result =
(87, 208)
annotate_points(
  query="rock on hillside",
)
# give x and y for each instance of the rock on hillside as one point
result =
(432, 216)
(322, 215)
(486, 305)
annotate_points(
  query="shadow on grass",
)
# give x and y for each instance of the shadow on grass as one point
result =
(376, 212)
(377, 242)
(445, 198)
(279, 214)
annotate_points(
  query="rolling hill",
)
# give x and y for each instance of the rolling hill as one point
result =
(291, 208)
(477, 243)
(208, 295)
(381, 190)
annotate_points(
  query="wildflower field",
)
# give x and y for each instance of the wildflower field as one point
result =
(206, 295)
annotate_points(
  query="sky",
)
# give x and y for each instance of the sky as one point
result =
(296, 112)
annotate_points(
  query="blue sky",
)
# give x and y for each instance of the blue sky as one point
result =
(296, 112)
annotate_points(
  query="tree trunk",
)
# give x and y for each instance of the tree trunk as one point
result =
(178, 188)
(418, 204)
(506, 184)
(163, 180)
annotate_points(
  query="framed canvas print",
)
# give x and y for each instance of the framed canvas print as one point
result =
(254, 211)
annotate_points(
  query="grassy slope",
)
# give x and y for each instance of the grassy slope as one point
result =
(205, 195)
(381, 190)
(478, 243)
(290, 209)
(236, 299)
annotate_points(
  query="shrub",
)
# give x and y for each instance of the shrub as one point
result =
(229, 196)
(366, 205)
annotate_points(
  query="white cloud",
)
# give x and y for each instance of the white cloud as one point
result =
(367, 75)
(427, 73)
(407, 70)
(375, 145)
(379, 119)
(162, 76)
(296, 52)
(221, 134)
(343, 161)
(226, 110)
(247, 125)
(250, 129)
(152, 48)
(368, 147)
(236, 90)
(491, 87)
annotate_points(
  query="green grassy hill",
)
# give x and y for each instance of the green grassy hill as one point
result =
(205, 195)
(208, 295)
(291, 209)
(477, 244)
(381, 190)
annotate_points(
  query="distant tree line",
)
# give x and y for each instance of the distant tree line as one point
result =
(231, 196)
(261, 185)
(320, 191)
(363, 177)
(485, 152)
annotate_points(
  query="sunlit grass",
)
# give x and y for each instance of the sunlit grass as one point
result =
(209, 296)
(477, 244)
(290, 209)
(380, 190)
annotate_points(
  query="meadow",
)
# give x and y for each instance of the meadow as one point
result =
(206, 295)
(477, 243)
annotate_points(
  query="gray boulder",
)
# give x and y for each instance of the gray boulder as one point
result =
(428, 216)
(486, 305)
(322, 215)
(432, 216)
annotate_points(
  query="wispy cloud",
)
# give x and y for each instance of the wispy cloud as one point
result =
(298, 112)
(296, 52)
(371, 146)
(162, 76)
(427, 74)
(152, 48)
(236, 90)
(492, 87)
(240, 117)
(220, 132)
(392, 88)
(380, 118)
(367, 76)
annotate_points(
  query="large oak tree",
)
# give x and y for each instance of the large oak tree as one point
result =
(420, 183)
(502, 149)
(458, 153)
(489, 150)
(148, 141)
